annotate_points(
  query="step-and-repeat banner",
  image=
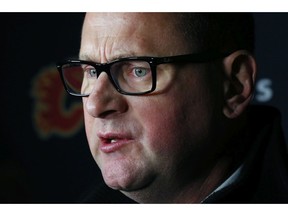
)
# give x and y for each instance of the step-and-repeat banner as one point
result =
(43, 151)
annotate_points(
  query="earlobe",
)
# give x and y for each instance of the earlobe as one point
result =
(240, 71)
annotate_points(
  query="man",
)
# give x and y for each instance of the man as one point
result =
(165, 100)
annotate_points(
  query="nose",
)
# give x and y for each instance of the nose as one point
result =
(104, 101)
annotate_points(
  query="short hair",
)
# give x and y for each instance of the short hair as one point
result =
(218, 31)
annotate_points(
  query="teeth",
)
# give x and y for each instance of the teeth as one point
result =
(113, 140)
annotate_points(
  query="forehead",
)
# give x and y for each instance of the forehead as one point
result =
(117, 34)
(129, 18)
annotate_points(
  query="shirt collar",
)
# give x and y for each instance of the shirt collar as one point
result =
(229, 181)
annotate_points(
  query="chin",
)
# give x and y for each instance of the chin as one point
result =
(123, 183)
(126, 180)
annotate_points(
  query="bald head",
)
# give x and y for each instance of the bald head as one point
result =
(192, 32)
(113, 35)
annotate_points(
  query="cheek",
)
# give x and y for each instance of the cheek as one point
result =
(87, 119)
(89, 129)
(172, 127)
(162, 128)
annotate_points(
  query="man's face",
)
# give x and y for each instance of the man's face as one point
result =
(138, 141)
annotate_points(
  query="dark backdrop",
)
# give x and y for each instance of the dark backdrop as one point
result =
(44, 156)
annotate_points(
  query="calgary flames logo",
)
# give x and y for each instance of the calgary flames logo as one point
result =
(53, 112)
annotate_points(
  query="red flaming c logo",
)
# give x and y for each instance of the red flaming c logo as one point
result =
(51, 116)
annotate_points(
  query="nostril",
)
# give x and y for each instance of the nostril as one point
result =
(107, 113)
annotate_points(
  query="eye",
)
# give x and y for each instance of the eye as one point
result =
(90, 71)
(140, 72)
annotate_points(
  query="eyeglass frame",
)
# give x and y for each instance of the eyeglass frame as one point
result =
(152, 61)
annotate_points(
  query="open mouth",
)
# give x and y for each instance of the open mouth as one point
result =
(111, 142)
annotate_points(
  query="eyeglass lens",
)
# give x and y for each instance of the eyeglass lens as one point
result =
(131, 76)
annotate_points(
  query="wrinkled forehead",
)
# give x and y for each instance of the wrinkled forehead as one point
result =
(153, 33)
(133, 25)
(132, 20)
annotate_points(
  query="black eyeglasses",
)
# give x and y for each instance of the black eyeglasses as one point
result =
(129, 76)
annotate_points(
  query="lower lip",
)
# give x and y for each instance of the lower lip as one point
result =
(113, 147)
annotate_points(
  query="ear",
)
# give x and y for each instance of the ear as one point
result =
(240, 71)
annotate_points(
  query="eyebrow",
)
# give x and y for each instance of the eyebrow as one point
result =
(87, 57)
